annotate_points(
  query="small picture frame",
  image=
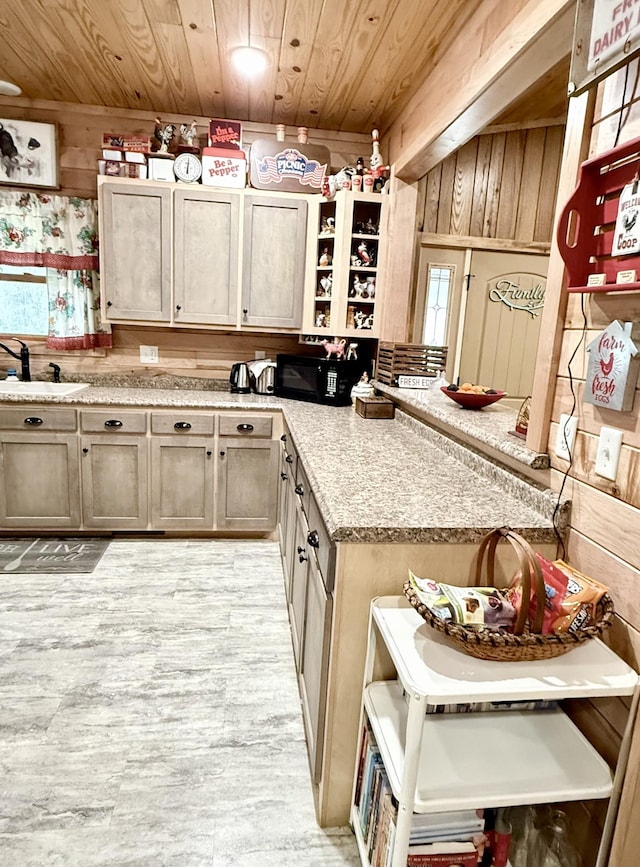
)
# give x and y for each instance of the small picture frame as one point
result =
(28, 154)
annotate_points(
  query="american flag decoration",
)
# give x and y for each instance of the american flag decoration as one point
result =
(290, 163)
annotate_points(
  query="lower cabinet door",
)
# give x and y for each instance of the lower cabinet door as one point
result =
(114, 482)
(297, 586)
(247, 487)
(182, 482)
(39, 480)
(314, 665)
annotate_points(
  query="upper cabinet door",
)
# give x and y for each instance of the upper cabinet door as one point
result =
(274, 253)
(206, 231)
(135, 251)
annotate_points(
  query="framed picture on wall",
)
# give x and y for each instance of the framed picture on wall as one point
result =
(28, 153)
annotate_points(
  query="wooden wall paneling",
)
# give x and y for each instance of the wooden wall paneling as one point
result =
(626, 839)
(532, 162)
(232, 28)
(301, 23)
(601, 730)
(481, 186)
(623, 581)
(445, 203)
(462, 202)
(431, 183)
(266, 25)
(574, 152)
(592, 418)
(199, 39)
(610, 523)
(490, 224)
(510, 183)
(601, 308)
(548, 196)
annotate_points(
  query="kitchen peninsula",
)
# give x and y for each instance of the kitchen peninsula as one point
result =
(381, 495)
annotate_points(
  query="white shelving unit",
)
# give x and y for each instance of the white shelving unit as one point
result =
(441, 762)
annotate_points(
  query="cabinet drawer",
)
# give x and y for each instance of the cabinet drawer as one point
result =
(246, 425)
(303, 488)
(182, 423)
(325, 550)
(37, 418)
(113, 421)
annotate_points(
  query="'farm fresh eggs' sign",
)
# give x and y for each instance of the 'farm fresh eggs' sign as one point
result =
(613, 368)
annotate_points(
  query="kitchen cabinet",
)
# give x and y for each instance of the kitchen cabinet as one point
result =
(39, 478)
(135, 250)
(182, 470)
(342, 290)
(273, 260)
(438, 762)
(114, 446)
(247, 473)
(206, 232)
(286, 505)
(198, 256)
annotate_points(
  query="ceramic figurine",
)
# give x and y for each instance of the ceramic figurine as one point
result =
(360, 287)
(352, 354)
(327, 284)
(320, 320)
(364, 255)
(328, 226)
(375, 160)
(325, 258)
(164, 135)
(187, 133)
(362, 388)
(337, 348)
(371, 286)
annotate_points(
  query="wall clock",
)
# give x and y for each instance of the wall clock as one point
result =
(187, 168)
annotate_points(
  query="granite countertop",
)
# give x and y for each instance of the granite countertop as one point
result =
(375, 480)
(490, 426)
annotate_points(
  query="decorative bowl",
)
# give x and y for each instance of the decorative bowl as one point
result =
(469, 400)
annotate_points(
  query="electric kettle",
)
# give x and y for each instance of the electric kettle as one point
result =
(239, 378)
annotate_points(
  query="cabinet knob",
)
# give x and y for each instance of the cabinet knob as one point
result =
(109, 303)
(283, 438)
(178, 308)
(209, 453)
(245, 313)
(244, 428)
(33, 420)
(85, 451)
(313, 539)
(284, 477)
(182, 425)
(113, 422)
(289, 459)
(222, 454)
(302, 554)
(299, 490)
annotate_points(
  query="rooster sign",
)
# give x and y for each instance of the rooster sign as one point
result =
(612, 370)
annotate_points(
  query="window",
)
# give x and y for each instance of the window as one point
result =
(436, 316)
(24, 303)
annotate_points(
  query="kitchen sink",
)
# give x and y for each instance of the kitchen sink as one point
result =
(39, 389)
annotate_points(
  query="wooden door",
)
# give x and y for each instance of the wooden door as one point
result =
(135, 251)
(39, 480)
(502, 320)
(247, 486)
(273, 261)
(206, 233)
(114, 481)
(182, 471)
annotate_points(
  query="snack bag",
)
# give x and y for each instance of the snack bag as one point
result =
(555, 591)
(583, 594)
(471, 606)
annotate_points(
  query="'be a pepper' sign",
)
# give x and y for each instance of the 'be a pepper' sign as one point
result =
(612, 369)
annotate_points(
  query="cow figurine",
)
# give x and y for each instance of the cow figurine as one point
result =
(337, 348)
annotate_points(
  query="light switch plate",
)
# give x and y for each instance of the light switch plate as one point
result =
(608, 455)
(148, 354)
(567, 429)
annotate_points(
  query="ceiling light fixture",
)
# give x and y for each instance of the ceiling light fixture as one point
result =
(9, 89)
(249, 61)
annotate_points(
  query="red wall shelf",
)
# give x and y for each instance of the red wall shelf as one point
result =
(594, 206)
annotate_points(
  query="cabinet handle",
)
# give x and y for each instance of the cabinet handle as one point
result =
(85, 451)
(209, 453)
(302, 554)
(113, 422)
(109, 303)
(33, 420)
(222, 454)
(245, 312)
(182, 425)
(244, 428)
(289, 459)
(313, 539)
(284, 477)
(283, 438)
(299, 490)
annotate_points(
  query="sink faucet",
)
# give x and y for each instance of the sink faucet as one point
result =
(22, 356)
(56, 371)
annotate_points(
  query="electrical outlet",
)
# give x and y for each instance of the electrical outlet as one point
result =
(259, 354)
(608, 455)
(566, 436)
(148, 354)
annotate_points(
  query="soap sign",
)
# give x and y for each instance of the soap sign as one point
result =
(612, 368)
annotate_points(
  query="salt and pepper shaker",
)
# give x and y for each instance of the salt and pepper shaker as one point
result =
(280, 131)
(303, 135)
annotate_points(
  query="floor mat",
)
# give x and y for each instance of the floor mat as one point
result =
(46, 554)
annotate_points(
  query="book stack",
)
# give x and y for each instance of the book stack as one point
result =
(377, 808)
(124, 156)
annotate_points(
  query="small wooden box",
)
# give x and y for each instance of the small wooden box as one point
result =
(375, 407)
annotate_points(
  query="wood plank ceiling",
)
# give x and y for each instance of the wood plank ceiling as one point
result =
(346, 65)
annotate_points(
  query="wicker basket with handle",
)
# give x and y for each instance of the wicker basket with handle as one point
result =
(525, 643)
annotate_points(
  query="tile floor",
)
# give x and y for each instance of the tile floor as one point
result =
(149, 715)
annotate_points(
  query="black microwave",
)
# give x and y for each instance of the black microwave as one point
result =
(321, 380)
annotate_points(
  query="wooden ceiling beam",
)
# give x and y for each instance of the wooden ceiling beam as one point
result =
(455, 104)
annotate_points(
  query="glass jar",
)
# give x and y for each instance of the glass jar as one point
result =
(551, 846)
